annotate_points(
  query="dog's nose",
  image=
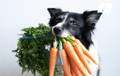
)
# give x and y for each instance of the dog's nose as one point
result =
(57, 30)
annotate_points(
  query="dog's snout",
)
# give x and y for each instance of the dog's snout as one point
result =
(57, 30)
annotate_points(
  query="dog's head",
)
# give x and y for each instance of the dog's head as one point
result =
(68, 23)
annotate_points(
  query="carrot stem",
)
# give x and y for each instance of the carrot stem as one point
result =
(55, 44)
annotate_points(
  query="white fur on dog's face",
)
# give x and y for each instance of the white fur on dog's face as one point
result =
(64, 32)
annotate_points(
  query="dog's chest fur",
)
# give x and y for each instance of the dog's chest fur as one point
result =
(93, 66)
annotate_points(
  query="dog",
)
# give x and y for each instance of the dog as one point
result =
(80, 25)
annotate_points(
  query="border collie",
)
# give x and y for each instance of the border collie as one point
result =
(80, 25)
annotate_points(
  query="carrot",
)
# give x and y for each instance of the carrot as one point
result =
(66, 65)
(71, 67)
(65, 74)
(88, 59)
(85, 51)
(81, 56)
(52, 59)
(75, 69)
(73, 74)
(73, 56)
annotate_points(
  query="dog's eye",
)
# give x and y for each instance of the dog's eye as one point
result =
(58, 19)
(72, 22)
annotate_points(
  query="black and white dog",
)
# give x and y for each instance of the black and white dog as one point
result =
(80, 25)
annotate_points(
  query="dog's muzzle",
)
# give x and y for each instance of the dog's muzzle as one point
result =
(57, 30)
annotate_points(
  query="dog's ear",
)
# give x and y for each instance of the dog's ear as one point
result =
(54, 11)
(91, 17)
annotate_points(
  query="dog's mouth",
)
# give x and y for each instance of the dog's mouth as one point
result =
(61, 33)
(64, 34)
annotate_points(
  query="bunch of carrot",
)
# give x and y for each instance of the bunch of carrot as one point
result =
(75, 57)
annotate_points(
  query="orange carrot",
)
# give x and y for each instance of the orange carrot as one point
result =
(75, 69)
(73, 56)
(73, 74)
(71, 67)
(85, 51)
(52, 60)
(88, 59)
(65, 74)
(81, 56)
(66, 65)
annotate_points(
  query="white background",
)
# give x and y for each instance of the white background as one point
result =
(17, 14)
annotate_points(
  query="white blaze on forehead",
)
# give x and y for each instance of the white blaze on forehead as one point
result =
(61, 23)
